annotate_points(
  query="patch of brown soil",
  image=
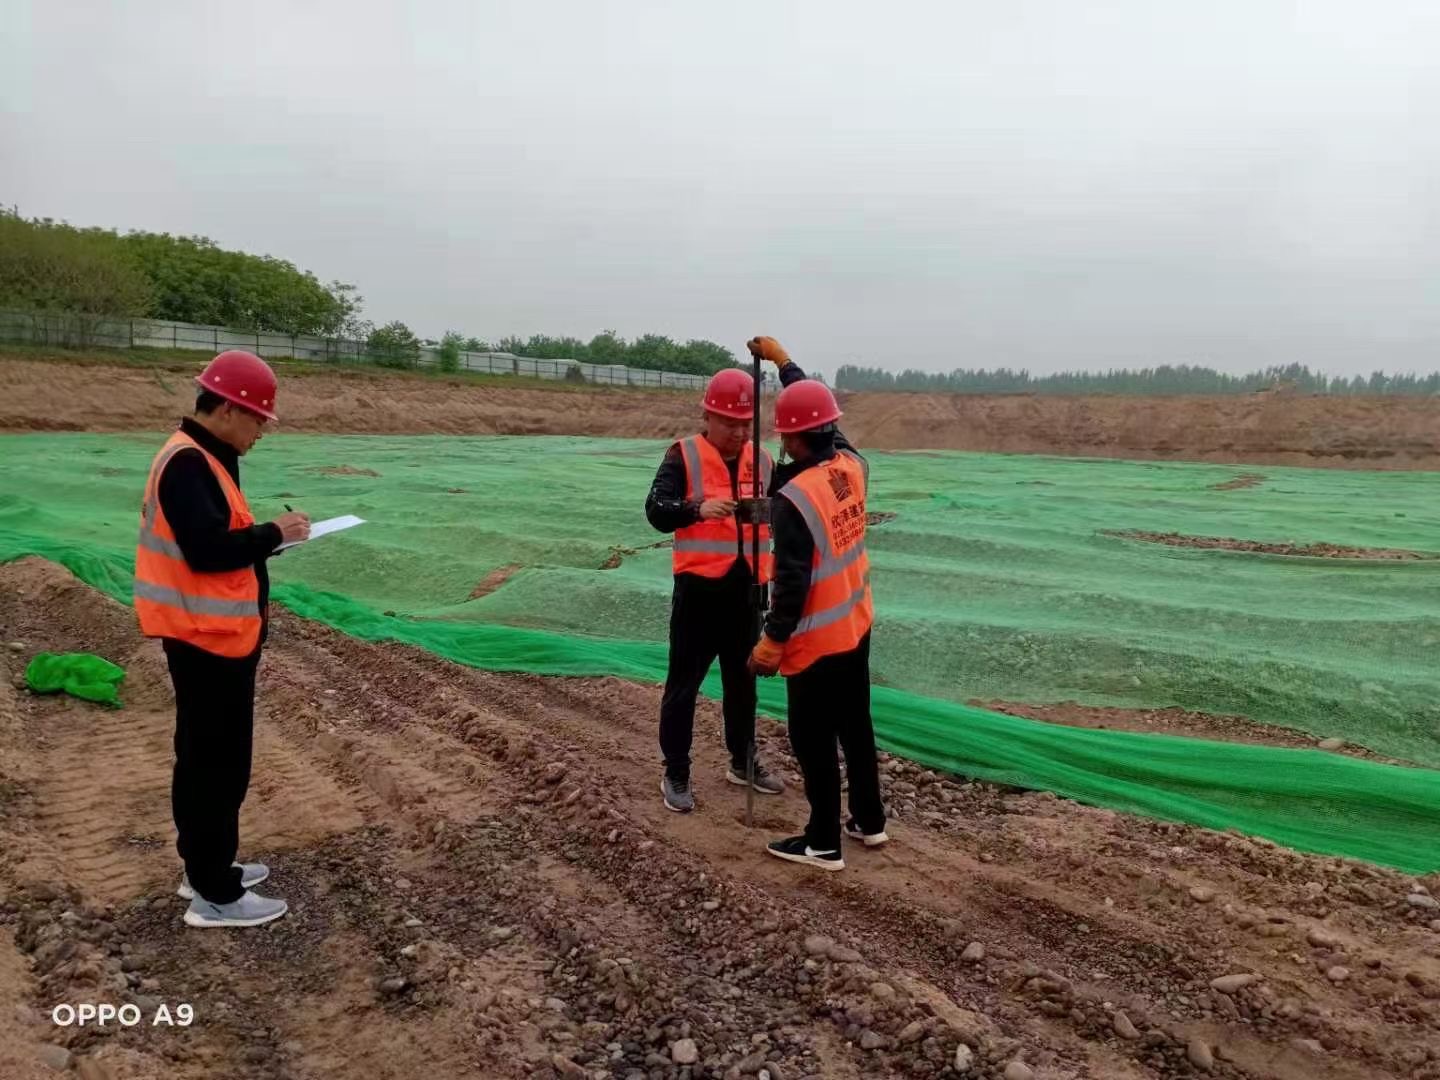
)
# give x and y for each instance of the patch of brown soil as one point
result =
(484, 883)
(1244, 480)
(342, 470)
(493, 580)
(1344, 432)
(619, 554)
(1310, 551)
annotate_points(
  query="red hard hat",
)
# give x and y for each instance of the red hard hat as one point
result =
(731, 393)
(805, 406)
(243, 379)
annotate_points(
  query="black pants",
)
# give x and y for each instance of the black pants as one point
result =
(214, 729)
(709, 618)
(829, 705)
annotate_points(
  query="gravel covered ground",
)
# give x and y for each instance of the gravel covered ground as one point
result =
(484, 884)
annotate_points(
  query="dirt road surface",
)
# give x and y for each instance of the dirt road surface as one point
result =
(1275, 429)
(484, 884)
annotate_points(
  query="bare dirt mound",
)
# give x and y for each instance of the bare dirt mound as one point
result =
(63, 394)
(493, 580)
(1174, 721)
(343, 470)
(1310, 551)
(484, 884)
(1240, 483)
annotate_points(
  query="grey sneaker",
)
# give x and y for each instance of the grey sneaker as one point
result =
(678, 796)
(251, 874)
(767, 783)
(252, 909)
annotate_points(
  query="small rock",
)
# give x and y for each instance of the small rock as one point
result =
(1200, 1055)
(1435, 925)
(57, 1057)
(818, 945)
(257, 1055)
(1202, 894)
(1018, 1070)
(1338, 974)
(1125, 1027)
(1310, 1046)
(402, 883)
(1423, 902)
(684, 1052)
(554, 772)
(502, 933)
(882, 991)
(17, 646)
(554, 1004)
(710, 905)
(974, 953)
(393, 985)
(1322, 938)
(871, 1040)
(613, 836)
(964, 1059)
(1230, 984)
(911, 1032)
(413, 922)
(1332, 744)
(91, 1069)
(842, 954)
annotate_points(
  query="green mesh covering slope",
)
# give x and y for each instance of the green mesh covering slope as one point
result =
(994, 581)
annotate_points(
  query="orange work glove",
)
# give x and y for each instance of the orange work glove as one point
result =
(767, 348)
(765, 658)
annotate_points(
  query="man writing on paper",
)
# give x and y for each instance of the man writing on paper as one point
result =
(201, 586)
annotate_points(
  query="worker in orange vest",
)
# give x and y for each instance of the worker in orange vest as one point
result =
(201, 587)
(697, 495)
(817, 629)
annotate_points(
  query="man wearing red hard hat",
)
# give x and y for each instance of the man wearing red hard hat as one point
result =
(817, 628)
(697, 495)
(201, 586)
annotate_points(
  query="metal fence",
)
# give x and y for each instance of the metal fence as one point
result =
(69, 330)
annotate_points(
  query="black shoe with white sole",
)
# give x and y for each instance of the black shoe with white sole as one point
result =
(854, 832)
(795, 849)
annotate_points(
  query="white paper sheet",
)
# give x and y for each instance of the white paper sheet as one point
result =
(324, 528)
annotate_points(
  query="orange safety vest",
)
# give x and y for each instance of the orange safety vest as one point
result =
(710, 548)
(217, 612)
(838, 610)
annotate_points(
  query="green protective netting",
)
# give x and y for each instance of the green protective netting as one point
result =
(994, 581)
(81, 675)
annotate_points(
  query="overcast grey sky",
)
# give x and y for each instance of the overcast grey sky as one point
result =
(1044, 183)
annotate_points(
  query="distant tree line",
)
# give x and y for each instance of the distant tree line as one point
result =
(652, 351)
(48, 265)
(1167, 379)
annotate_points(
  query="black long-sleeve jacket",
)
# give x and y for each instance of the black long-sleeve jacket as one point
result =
(793, 545)
(195, 507)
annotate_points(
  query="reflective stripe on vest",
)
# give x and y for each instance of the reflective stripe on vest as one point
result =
(196, 605)
(838, 610)
(710, 548)
(218, 612)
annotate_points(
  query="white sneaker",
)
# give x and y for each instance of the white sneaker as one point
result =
(251, 909)
(251, 874)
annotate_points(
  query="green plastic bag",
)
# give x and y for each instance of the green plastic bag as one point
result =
(81, 675)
